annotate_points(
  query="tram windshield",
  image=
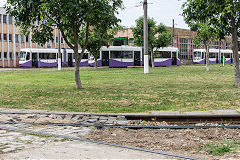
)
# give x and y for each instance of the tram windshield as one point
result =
(197, 55)
(22, 56)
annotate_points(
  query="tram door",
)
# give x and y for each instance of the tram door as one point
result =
(137, 59)
(70, 59)
(174, 58)
(105, 58)
(34, 60)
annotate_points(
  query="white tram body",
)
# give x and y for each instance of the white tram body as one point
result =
(166, 56)
(37, 57)
(120, 56)
(215, 56)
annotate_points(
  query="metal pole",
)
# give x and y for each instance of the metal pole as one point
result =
(173, 34)
(146, 60)
(59, 51)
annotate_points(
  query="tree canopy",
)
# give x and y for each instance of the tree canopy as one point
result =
(158, 35)
(70, 17)
(224, 16)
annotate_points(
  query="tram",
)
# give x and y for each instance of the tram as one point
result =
(166, 56)
(36, 57)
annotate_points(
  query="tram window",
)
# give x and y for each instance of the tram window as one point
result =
(227, 55)
(52, 56)
(28, 56)
(127, 54)
(85, 56)
(115, 54)
(162, 54)
(197, 54)
(157, 54)
(203, 53)
(212, 55)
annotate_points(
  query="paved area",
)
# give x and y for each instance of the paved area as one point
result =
(79, 150)
(17, 145)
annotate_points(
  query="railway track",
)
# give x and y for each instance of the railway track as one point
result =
(150, 121)
(171, 122)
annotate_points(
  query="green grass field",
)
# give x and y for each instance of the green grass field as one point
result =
(184, 88)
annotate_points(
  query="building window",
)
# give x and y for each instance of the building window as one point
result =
(10, 55)
(56, 39)
(4, 37)
(0, 55)
(5, 55)
(9, 19)
(61, 40)
(22, 38)
(10, 37)
(26, 38)
(0, 18)
(4, 18)
(16, 38)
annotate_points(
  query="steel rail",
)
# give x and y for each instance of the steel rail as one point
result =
(149, 117)
(122, 126)
(97, 142)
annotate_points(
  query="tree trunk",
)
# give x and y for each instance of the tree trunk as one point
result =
(235, 51)
(152, 59)
(207, 56)
(77, 65)
(95, 65)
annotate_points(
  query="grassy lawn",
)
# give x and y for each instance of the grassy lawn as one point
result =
(184, 88)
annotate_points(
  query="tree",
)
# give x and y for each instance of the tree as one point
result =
(205, 34)
(158, 36)
(97, 39)
(70, 17)
(224, 16)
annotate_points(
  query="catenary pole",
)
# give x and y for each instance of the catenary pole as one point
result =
(146, 60)
(59, 51)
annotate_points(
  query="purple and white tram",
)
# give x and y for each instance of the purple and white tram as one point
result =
(119, 56)
(215, 56)
(227, 54)
(36, 57)
(166, 56)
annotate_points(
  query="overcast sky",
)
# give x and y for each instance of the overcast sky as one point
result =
(161, 10)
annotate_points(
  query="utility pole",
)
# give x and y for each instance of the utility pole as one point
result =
(173, 33)
(59, 51)
(145, 27)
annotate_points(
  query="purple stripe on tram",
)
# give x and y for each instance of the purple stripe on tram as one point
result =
(27, 64)
(99, 63)
(164, 63)
(212, 62)
(228, 61)
(178, 62)
(44, 64)
(82, 64)
(115, 63)
(200, 62)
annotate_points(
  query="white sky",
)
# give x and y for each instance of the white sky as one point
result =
(161, 10)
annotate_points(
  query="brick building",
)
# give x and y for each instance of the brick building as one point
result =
(183, 40)
(11, 41)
